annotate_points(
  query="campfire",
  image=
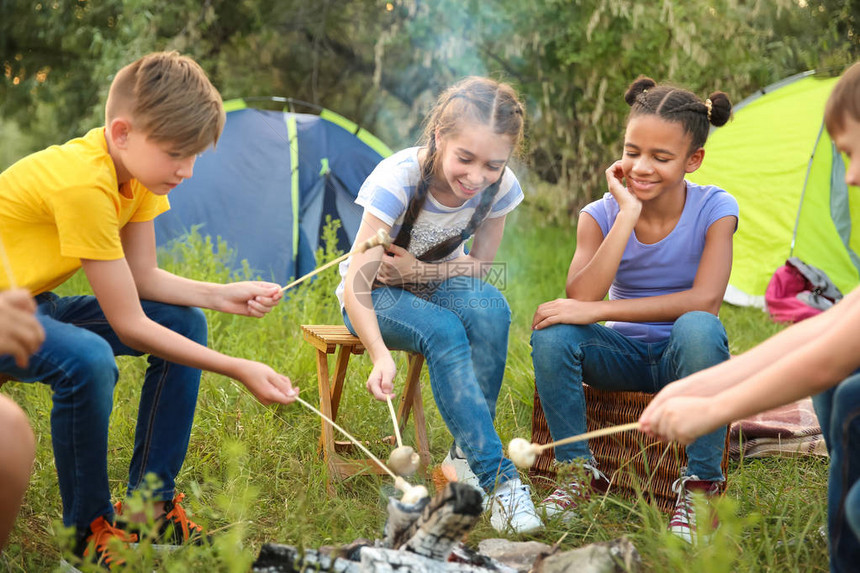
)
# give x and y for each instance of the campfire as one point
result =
(417, 537)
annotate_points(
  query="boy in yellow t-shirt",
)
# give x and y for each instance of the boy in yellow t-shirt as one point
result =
(90, 203)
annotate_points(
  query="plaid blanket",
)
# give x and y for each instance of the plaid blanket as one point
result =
(790, 430)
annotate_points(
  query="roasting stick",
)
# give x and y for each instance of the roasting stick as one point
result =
(524, 454)
(348, 435)
(588, 435)
(411, 493)
(380, 238)
(403, 460)
(394, 421)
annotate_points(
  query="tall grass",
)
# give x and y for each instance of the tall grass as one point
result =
(253, 474)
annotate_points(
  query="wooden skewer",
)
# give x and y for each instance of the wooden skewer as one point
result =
(348, 435)
(588, 435)
(394, 421)
(399, 482)
(380, 238)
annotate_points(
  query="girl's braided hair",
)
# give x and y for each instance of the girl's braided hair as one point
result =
(477, 100)
(645, 97)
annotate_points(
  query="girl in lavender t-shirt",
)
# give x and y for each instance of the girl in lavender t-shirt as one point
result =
(661, 248)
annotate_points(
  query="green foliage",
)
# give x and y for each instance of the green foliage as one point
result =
(575, 59)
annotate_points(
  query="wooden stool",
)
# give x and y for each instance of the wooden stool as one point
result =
(634, 462)
(330, 339)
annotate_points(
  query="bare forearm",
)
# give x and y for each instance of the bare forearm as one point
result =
(163, 286)
(806, 371)
(362, 316)
(662, 308)
(592, 282)
(149, 337)
(728, 374)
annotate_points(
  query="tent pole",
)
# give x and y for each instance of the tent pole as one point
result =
(803, 192)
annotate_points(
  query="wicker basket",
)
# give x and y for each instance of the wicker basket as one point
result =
(636, 464)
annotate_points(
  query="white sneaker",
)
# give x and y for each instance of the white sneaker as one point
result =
(457, 460)
(512, 508)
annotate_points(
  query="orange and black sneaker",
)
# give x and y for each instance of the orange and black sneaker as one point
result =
(178, 528)
(101, 542)
(173, 529)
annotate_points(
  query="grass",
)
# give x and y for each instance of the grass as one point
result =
(253, 474)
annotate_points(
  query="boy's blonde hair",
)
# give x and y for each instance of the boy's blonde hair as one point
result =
(844, 101)
(169, 98)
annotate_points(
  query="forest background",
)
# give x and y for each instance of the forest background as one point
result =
(381, 63)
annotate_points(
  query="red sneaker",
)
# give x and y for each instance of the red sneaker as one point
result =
(565, 498)
(683, 522)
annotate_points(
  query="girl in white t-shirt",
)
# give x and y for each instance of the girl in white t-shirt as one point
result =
(426, 294)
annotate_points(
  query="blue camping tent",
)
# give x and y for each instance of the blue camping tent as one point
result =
(267, 188)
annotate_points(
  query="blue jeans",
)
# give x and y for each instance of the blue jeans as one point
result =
(462, 331)
(77, 361)
(838, 411)
(566, 355)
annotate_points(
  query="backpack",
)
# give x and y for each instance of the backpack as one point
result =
(798, 290)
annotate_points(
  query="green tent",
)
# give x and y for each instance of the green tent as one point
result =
(776, 159)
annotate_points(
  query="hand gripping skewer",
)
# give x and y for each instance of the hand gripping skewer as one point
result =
(380, 238)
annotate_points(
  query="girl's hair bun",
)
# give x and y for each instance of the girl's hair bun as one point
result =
(638, 87)
(721, 108)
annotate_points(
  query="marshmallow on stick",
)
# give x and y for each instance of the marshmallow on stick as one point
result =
(380, 238)
(524, 454)
(411, 493)
(403, 460)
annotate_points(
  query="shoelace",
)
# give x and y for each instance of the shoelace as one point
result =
(564, 496)
(510, 499)
(177, 515)
(596, 474)
(103, 532)
(685, 509)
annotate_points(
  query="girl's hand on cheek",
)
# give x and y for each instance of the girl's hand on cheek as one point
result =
(627, 201)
